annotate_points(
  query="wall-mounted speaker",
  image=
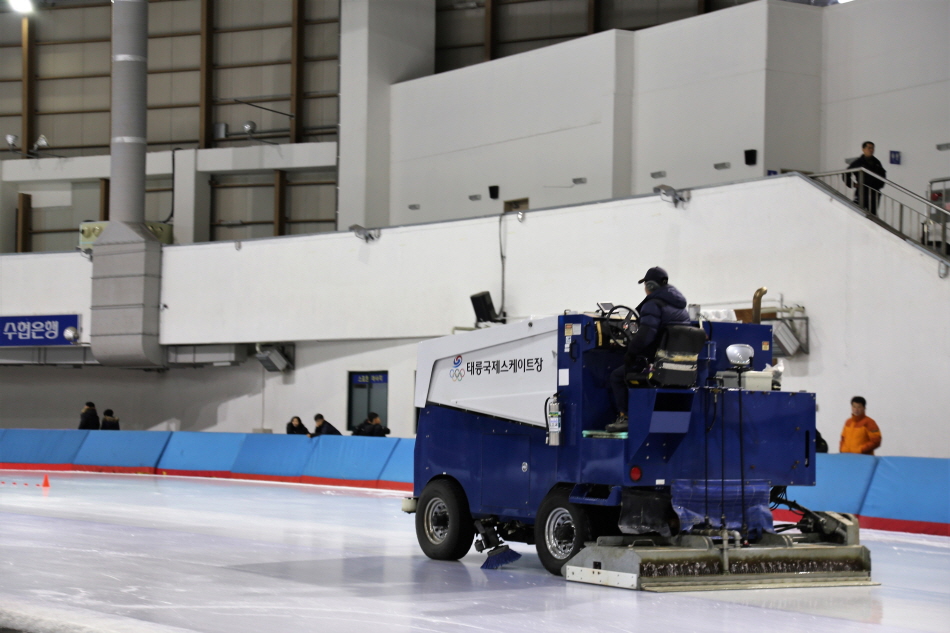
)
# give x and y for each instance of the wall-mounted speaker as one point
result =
(751, 156)
(493, 192)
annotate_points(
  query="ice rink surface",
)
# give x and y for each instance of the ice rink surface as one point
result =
(135, 553)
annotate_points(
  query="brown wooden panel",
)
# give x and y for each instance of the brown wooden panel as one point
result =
(280, 202)
(24, 223)
(206, 93)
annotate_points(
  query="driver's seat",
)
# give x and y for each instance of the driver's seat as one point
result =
(677, 359)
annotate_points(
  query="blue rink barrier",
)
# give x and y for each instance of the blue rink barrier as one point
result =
(337, 459)
(39, 449)
(909, 494)
(272, 457)
(201, 454)
(121, 452)
(399, 468)
(843, 481)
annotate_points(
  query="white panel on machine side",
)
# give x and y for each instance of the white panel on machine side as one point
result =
(506, 371)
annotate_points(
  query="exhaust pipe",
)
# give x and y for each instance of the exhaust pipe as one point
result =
(757, 304)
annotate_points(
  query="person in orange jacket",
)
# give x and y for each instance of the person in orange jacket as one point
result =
(860, 433)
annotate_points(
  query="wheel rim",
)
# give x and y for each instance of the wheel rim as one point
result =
(559, 533)
(436, 521)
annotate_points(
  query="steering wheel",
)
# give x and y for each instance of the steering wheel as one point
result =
(621, 328)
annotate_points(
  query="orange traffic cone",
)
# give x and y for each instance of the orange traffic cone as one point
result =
(46, 481)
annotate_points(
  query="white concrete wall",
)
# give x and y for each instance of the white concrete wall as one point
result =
(412, 282)
(793, 88)
(382, 43)
(886, 79)
(802, 85)
(876, 304)
(699, 98)
(46, 283)
(529, 124)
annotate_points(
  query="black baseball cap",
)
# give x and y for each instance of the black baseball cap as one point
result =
(656, 274)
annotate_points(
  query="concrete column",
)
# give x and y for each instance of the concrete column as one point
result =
(192, 199)
(381, 43)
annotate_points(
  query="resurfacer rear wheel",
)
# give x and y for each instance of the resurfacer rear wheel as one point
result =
(444, 527)
(560, 531)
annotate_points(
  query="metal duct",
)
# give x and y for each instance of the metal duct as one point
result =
(129, 87)
(126, 268)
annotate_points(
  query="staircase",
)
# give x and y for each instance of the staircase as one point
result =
(917, 220)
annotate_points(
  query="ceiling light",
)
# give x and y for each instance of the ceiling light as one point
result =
(22, 6)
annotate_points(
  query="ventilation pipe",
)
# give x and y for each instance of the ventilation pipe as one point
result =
(757, 304)
(127, 259)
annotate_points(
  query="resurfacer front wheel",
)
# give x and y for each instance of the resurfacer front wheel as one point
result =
(444, 527)
(560, 530)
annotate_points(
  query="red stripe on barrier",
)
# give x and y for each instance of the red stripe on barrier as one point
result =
(214, 474)
(13, 466)
(328, 481)
(131, 470)
(395, 485)
(903, 525)
(785, 515)
(255, 477)
(877, 523)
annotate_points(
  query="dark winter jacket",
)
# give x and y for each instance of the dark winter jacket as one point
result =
(873, 165)
(89, 420)
(325, 429)
(109, 423)
(299, 429)
(665, 306)
(370, 429)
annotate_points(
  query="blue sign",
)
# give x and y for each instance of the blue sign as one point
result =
(895, 157)
(377, 378)
(35, 331)
(771, 172)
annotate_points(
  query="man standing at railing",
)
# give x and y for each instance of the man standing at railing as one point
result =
(868, 188)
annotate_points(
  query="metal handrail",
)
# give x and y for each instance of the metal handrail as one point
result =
(889, 183)
(908, 215)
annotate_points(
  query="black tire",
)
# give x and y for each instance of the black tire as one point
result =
(444, 526)
(560, 530)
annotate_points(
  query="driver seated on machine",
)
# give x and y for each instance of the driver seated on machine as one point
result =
(664, 305)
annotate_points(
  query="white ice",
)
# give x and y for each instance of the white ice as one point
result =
(142, 554)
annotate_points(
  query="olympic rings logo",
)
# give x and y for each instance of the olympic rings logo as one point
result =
(458, 361)
(456, 374)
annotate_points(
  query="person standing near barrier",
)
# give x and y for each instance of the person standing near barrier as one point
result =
(109, 422)
(867, 196)
(296, 427)
(860, 434)
(372, 427)
(323, 427)
(88, 418)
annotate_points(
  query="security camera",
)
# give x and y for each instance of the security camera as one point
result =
(669, 194)
(365, 234)
(71, 334)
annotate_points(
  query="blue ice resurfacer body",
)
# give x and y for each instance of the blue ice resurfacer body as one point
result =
(701, 459)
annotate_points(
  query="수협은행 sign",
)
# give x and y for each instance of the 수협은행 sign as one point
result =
(35, 331)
